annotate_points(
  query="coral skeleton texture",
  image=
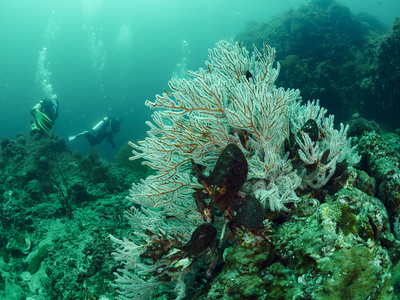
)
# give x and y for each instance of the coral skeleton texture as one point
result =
(234, 100)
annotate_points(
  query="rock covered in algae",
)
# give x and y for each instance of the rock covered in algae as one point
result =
(31, 218)
(34, 263)
(344, 250)
(382, 161)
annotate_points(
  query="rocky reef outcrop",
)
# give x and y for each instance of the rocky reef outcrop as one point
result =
(350, 62)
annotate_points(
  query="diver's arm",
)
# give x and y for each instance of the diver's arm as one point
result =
(110, 139)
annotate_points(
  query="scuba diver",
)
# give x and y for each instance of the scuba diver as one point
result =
(106, 128)
(45, 112)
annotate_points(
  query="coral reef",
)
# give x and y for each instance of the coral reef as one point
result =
(240, 190)
(347, 61)
(56, 211)
(135, 166)
(382, 162)
(383, 85)
(227, 146)
(335, 253)
(359, 125)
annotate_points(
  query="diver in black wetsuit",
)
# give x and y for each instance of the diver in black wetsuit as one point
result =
(45, 112)
(106, 128)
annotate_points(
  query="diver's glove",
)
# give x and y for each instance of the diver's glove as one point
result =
(43, 121)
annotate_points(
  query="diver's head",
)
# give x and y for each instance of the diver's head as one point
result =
(116, 123)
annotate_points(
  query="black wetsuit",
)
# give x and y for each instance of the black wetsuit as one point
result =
(47, 107)
(106, 128)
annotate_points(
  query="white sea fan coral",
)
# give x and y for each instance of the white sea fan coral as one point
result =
(234, 100)
(311, 152)
(199, 116)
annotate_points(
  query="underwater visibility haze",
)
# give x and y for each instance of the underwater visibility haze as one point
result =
(242, 184)
(106, 57)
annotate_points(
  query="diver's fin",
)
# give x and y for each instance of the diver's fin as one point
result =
(43, 121)
(71, 138)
